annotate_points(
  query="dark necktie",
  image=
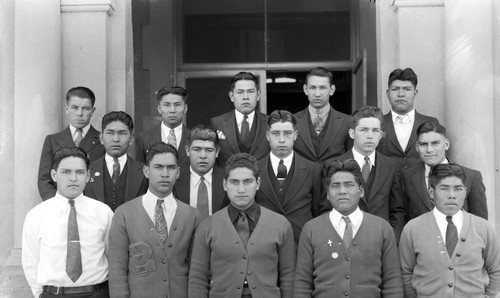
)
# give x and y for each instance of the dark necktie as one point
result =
(79, 137)
(451, 236)
(347, 232)
(160, 222)
(318, 122)
(281, 172)
(202, 203)
(74, 254)
(365, 171)
(244, 128)
(243, 228)
(116, 170)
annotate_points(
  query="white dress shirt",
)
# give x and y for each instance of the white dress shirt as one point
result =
(122, 160)
(74, 135)
(165, 132)
(194, 184)
(44, 242)
(239, 119)
(275, 161)
(339, 224)
(403, 130)
(360, 158)
(458, 221)
(169, 207)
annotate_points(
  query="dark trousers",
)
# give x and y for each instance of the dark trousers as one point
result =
(103, 293)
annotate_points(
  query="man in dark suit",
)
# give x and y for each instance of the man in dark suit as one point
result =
(290, 184)
(243, 250)
(79, 108)
(116, 178)
(200, 184)
(432, 145)
(400, 125)
(172, 106)
(323, 131)
(381, 174)
(244, 128)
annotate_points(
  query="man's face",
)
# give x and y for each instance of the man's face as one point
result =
(401, 95)
(432, 146)
(344, 192)
(79, 111)
(172, 109)
(241, 187)
(366, 135)
(71, 176)
(449, 195)
(116, 138)
(202, 155)
(318, 91)
(245, 96)
(162, 172)
(281, 137)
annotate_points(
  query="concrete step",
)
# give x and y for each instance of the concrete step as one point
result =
(13, 284)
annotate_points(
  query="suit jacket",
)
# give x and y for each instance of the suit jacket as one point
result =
(389, 145)
(303, 201)
(226, 124)
(427, 269)
(182, 188)
(335, 143)
(147, 138)
(385, 196)
(54, 142)
(371, 270)
(220, 263)
(138, 263)
(136, 184)
(417, 200)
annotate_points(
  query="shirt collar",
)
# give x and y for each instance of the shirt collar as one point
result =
(250, 211)
(356, 217)
(122, 159)
(323, 111)
(63, 199)
(196, 177)
(276, 160)
(428, 168)
(84, 130)
(239, 117)
(152, 197)
(457, 217)
(360, 158)
(411, 114)
(177, 129)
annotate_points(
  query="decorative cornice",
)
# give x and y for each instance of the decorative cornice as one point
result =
(107, 6)
(417, 3)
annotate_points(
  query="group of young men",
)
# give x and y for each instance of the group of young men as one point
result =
(316, 204)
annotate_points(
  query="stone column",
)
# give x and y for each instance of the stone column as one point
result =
(496, 98)
(469, 104)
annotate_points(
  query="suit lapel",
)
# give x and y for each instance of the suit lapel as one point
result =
(90, 140)
(331, 132)
(266, 185)
(182, 150)
(300, 171)
(413, 137)
(134, 177)
(229, 127)
(418, 182)
(381, 171)
(183, 186)
(303, 126)
(217, 189)
(260, 124)
(97, 178)
(390, 132)
(65, 139)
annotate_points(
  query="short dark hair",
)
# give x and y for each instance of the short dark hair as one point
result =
(69, 152)
(117, 116)
(403, 75)
(333, 166)
(242, 160)
(445, 170)
(172, 90)
(203, 133)
(431, 126)
(366, 112)
(281, 116)
(244, 76)
(159, 148)
(320, 72)
(82, 92)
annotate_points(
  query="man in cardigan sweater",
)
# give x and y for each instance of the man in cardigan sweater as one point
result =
(433, 262)
(243, 250)
(347, 252)
(149, 246)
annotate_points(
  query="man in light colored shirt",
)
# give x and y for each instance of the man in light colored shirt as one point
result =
(150, 237)
(401, 123)
(200, 184)
(65, 239)
(448, 252)
(79, 133)
(244, 128)
(172, 106)
(432, 145)
(347, 252)
(116, 177)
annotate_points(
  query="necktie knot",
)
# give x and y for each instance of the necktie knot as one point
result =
(403, 119)
(71, 202)
(245, 117)
(282, 171)
(346, 219)
(79, 136)
(245, 128)
(347, 232)
(243, 228)
(172, 140)
(202, 199)
(160, 222)
(449, 219)
(365, 170)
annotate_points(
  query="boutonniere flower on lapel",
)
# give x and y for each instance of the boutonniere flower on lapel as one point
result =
(221, 135)
(96, 174)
